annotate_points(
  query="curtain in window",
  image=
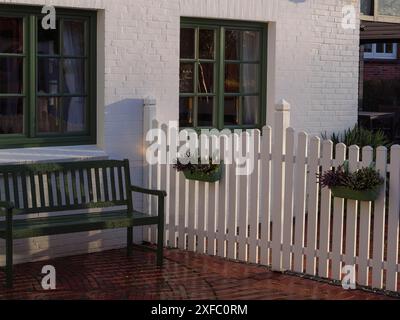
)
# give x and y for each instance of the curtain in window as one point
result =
(251, 49)
(74, 107)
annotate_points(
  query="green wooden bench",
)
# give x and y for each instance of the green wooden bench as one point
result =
(53, 189)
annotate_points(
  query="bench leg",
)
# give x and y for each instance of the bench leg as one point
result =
(9, 262)
(129, 242)
(160, 244)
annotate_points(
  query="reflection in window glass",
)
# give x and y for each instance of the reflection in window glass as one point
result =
(11, 116)
(186, 78)
(48, 114)
(206, 78)
(232, 78)
(11, 35)
(11, 75)
(231, 111)
(74, 76)
(73, 38)
(250, 110)
(187, 43)
(206, 44)
(74, 114)
(48, 75)
(48, 40)
(186, 112)
(389, 7)
(205, 111)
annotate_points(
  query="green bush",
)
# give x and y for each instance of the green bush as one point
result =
(359, 136)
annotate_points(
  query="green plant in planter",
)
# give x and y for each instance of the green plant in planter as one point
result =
(194, 169)
(362, 185)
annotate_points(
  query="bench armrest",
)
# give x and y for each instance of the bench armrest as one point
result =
(158, 193)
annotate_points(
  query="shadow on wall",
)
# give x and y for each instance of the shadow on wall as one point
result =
(123, 129)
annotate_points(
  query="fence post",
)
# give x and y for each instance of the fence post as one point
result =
(281, 123)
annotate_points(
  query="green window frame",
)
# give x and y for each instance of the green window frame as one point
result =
(213, 91)
(84, 97)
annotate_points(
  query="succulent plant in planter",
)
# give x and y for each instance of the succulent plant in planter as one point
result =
(362, 185)
(194, 169)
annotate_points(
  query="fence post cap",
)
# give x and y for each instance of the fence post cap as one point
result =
(148, 101)
(282, 105)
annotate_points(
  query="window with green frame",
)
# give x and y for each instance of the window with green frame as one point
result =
(222, 81)
(47, 78)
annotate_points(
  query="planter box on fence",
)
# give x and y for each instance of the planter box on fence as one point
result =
(211, 177)
(348, 193)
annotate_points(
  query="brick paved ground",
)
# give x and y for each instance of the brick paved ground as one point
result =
(112, 275)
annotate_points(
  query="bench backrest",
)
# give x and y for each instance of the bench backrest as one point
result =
(55, 187)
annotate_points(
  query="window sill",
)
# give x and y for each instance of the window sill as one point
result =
(51, 154)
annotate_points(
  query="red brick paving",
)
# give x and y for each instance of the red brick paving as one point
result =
(185, 275)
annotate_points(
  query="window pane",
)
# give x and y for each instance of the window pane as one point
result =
(250, 110)
(74, 76)
(366, 7)
(74, 38)
(205, 111)
(186, 78)
(251, 46)
(231, 111)
(11, 116)
(48, 40)
(11, 75)
(232, 45)
(187, 43)
(232, 78)
(11, 35)
(250, 78)
(48, 75)
(186, 112)
(74, 114)
(48, 115)
(380, 48)
(368, 47)
(206, 44)
(206, 78)
(389, 47)
(389, 7)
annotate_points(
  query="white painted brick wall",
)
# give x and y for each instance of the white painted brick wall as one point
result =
(313, 64)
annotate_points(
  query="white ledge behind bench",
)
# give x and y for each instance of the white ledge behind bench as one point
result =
(52, 154)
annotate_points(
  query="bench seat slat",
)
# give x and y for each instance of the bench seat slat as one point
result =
(52, 225)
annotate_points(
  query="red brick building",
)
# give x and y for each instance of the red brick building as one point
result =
(382, 61)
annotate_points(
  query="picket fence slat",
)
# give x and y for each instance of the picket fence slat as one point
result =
(338, 216)
(351, 213)
(313, 200)
(192, 192)
(252, 196)
(232, 205)
(288, 206)
(242, 202)
(379, 222)
(326, 203)
(265, 195)
(365, 227)
(222, 199)
(393, 221)
(182, 222)
(300, 202)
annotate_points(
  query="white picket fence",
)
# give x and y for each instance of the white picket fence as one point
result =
(279, 217)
